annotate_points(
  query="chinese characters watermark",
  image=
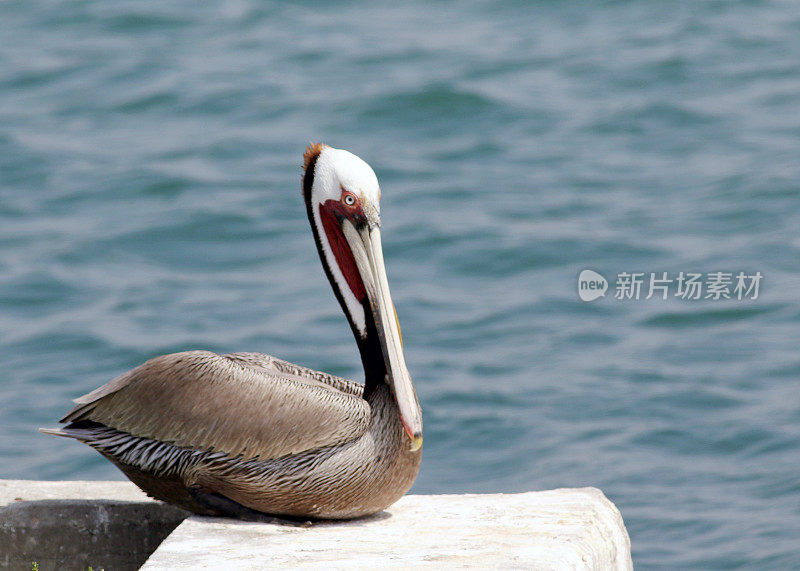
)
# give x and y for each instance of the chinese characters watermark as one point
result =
(713, 286)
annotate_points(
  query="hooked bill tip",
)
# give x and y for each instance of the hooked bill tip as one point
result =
(416, 441)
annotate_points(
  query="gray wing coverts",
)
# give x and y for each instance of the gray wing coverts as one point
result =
(244, 404)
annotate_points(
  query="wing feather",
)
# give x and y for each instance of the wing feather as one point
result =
(244, 404)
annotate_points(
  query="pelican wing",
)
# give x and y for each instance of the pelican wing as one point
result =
(244, 404)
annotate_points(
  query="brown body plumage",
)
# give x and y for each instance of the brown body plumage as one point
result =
(243, 433)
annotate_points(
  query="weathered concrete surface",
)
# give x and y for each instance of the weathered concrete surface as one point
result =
(112, 525)
(71, 525)
(558, 529)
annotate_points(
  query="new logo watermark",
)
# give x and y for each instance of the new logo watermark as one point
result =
(591, 285)
(713, 286)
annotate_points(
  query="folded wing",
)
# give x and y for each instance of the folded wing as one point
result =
(244, 404)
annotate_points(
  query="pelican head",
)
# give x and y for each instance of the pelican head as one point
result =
(342, 198)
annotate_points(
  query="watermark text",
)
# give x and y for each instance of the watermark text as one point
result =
(713, 286)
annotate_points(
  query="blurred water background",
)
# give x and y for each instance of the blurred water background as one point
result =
(149, 202)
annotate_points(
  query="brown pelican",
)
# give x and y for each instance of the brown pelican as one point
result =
(246, 434)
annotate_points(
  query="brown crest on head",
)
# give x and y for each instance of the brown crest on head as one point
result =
(312, 152)
(309, 160)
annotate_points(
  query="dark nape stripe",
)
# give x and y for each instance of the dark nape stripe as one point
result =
(308, 180)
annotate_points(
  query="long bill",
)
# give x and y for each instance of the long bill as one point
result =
(365, 245)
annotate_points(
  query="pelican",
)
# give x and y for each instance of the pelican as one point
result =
(246, 433)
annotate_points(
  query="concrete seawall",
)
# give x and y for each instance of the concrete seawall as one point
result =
(112, 525)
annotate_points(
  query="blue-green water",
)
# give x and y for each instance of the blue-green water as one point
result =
(149, 203)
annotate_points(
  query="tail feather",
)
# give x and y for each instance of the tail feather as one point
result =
(55, 432)
(82, 430)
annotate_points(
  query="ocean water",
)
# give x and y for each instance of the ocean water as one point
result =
(150, 160)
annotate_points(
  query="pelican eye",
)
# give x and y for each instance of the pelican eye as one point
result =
(349, 199)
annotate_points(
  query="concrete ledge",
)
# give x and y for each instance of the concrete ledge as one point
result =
(72, 525)
(558, 529)
(112, 525)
